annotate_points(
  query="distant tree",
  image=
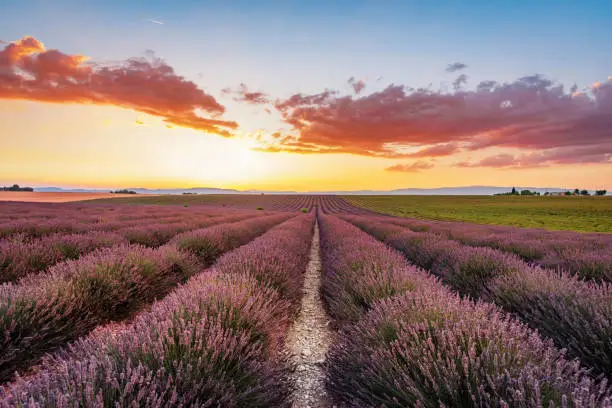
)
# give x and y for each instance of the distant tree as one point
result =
(576, 191)
(546, 193)
(568, 193)
(584, 192)
(513, 191)
(123, 191)
(15, 187)
(601, 192)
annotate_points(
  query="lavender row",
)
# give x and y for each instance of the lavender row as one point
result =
(45, 311)
(21, 258)
(576, 315)
(406, 340)
(81, 219)
(17, 210)
(85, 213)
(216, 341)
(589, 256)
(30, 229)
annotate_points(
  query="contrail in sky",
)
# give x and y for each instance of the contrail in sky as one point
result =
(155, 21)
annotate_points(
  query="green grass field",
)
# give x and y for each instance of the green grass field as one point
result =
(587, 214)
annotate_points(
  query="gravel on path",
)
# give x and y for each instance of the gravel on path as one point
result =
(310, 337)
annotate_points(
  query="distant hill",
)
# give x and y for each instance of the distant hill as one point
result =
(195, 190)
(467, 190)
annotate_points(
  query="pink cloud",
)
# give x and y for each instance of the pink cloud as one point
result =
(531, 113)
(444, 149)
(29, 71)
(601, 154)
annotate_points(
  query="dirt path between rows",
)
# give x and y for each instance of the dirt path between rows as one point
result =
(310, 337)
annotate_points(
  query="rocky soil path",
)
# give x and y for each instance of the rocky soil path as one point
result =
(310, 338)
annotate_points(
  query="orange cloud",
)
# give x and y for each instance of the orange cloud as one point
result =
(411, 168)
(444, 149)
(148, 85)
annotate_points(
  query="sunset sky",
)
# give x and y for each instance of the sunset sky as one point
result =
(306, 95)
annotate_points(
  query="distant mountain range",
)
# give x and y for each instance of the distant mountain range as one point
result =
(196, 190)
(468, 190)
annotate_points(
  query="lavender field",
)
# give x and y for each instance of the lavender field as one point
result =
(310, 301)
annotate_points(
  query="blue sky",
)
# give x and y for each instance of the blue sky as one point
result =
(286, 47)
(313, 44)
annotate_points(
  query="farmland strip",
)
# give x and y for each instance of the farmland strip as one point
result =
(406, 340)
(46, 311)
(216, 341)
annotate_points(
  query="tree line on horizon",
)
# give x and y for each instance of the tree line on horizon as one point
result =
(576, 192)
(16, 187)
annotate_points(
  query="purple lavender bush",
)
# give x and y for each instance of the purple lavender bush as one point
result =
(573, 313)
(277, 259)
(208, 243)
(425, 346)
(422, 249)
(470, 269)
(216, 341)
(355, 275)
(593, 265)
(36, 229)
(576, 315)
(586, 255)
(155, 235)
(45, 311)
(430, 349)
(211, 343)
(19, 258)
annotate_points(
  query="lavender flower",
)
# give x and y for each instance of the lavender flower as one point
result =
(424, 346)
